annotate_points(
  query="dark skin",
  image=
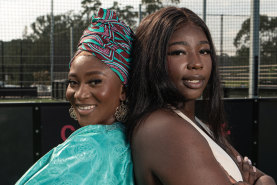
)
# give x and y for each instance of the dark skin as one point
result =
(94, 90)
(249, 176)
(167, 149)
(156, 146)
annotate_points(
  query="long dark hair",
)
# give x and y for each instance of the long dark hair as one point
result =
(150, 86)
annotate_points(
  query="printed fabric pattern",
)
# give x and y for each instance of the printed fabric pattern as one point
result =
(94, 154)
(110, 40)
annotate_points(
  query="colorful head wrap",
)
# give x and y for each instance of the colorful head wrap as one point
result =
(110, 40)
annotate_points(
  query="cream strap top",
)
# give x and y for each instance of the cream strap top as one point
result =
(220, 155)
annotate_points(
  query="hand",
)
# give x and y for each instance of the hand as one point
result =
(248, 171)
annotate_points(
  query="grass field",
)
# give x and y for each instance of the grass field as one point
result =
(32, 100)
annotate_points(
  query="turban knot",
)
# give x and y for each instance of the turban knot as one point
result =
(110, 40)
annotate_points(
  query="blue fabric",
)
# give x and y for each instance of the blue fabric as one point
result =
(94, 154)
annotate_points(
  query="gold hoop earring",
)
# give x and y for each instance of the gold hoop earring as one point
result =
(121, 112)
(72, 113)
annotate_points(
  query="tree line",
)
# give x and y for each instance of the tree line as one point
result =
(28, 59)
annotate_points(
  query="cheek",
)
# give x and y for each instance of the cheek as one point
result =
(174, 72)
(175, 67)
(110, 95)
(102, 93)
(69, 93)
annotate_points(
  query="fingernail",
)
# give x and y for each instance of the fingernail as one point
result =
(250, 162)
(239, 158)
(254, 169)
(245, 159)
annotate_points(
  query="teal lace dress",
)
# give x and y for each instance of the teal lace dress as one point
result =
(94, 154)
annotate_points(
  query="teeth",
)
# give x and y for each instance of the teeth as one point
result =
(193, 81)
(85, 107)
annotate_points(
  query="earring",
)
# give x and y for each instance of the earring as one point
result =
(72, 113)
(121, 112)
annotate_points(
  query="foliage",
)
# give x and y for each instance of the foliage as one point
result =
(268, 40)
(154, 5)
(41, 77)
(126, 14)
(90, 7)
(31, 55)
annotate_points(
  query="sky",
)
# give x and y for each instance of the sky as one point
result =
(16, 14)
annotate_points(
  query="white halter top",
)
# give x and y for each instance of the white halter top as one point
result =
(220, 155)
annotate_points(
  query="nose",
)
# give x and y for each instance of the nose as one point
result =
(82, 92)
(194, 62)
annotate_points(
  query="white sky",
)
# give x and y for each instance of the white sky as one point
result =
(16, 14)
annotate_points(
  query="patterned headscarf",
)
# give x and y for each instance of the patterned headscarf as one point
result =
(110, 40)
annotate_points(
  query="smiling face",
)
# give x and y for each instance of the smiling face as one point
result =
(189, 60)
(94, 90)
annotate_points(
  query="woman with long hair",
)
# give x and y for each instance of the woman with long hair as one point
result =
(174, 64)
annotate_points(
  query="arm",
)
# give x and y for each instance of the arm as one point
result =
(260, 179)
(265, 180)
(88, 157)
(169, 151)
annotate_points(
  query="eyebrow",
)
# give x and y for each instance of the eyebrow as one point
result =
(179, 43)
(186, 44)
(88, 73)
(204, 42)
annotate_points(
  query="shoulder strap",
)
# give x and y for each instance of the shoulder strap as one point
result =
(182, 115)
(221, 156)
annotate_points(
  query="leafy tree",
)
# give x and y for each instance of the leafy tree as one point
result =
(154, 5)
(41, 78)
(11, 60)
(90, 7)
(126, 14)
(39, 50)
(36, 40)
(268, 40)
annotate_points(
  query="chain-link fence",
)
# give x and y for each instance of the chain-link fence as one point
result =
(34, 54)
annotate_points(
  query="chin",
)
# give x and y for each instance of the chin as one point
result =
(83, 122)
(192, 96)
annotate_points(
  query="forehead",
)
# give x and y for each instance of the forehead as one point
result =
(188, 32)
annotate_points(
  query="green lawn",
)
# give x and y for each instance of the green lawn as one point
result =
(23, 100)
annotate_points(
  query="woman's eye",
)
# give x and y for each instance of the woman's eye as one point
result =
(177, 52)
(95, 82)
(72, 83)
(205, 51)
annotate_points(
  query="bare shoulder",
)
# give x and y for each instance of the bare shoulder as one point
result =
(165, 130)
(164, 126)
(165, 147)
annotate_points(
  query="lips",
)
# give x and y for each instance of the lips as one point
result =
(194, 82)
(85, 109)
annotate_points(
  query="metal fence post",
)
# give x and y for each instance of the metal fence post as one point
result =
(71, 41)
(140, 13)
(204, 10)
(221, 37)
(254, 52)
(52, 45)
(2, 57)
(21, 65)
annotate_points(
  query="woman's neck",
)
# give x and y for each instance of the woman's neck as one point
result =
(188, 108)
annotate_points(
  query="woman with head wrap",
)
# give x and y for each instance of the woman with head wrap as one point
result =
(97, 153)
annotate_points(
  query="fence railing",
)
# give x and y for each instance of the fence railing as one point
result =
(238, 76)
